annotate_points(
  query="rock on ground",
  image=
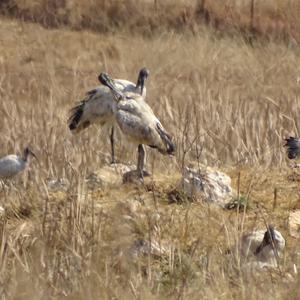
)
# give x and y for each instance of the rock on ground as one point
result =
(144, 247)
(60, 184)
(208, 183)
(2, 211)
(108, 175)
(294, 223)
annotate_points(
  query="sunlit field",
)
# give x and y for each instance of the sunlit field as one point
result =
(227, 101)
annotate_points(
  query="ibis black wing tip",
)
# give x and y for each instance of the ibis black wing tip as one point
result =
(167, 139)
(293, 146)
(75, 117)
(289, 140)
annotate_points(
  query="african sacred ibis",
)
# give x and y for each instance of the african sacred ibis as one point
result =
(138, 122)
(96, 107)
(265, 245)
(11, 165)
(293, 147)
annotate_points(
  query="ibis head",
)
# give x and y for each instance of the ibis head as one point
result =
(143, 75)
(28, 152)
(107, 81)
(269, 239)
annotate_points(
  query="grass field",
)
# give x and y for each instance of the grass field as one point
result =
(227, 103)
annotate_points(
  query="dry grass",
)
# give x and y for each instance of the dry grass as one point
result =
(226, 104)
(271, 19)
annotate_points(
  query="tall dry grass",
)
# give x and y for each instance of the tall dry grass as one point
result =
(271, 19)
(226, 103)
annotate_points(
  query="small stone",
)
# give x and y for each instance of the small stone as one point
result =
(2, 211)
(60, 184)
(294, 223)
(108, 175)
(133, 176)
(128, 207)
(144, 247)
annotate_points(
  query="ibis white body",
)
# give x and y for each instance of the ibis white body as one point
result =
(139, 124)
(97, 106)
(11, 165)
(267, 255)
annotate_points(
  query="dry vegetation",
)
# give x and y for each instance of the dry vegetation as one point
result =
(268, 19)
(227, 104)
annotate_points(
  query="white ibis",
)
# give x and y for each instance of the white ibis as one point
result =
(96, 107)
(11, 165)
(264, 245)
(138, 122)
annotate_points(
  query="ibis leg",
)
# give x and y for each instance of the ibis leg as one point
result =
(112, 144)
(141, 158)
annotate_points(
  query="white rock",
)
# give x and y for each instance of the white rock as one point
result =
(108, 175)
(143, 247)
(2, 211)
(60, 184)
(212, 185)
(128, 207)
(294, 223)
(93, 180)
